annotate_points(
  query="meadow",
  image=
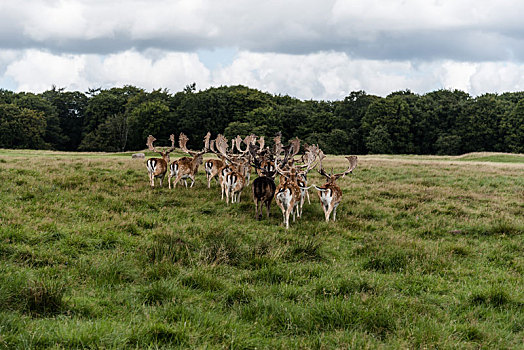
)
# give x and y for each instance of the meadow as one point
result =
(426, 252)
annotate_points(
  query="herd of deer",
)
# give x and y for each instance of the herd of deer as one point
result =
(233, 170)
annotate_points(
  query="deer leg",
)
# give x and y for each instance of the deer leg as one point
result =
(268, 204)
(152, 179)
(161, 178)
(178, 177)
(329, 209)
(307, 194)
(335, 212)
(288, 211)
(256, 208)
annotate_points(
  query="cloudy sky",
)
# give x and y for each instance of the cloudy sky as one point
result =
(310, 49)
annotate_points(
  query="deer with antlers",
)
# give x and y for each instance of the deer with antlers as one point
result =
(264, 187)
(330, 193)
(187, 167)
(157, 167)
(234, 175)
(287, 193)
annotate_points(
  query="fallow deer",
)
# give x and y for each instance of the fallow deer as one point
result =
(330, 193)
(187, 167)
(234, 184)
(157, 167)
(287, 195)
(212, 167)
(233, 174)
(263, 192)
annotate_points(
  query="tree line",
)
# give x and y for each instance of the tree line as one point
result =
(120, 119)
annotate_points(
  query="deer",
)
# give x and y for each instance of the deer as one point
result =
(213, 166)
(287, 193)
(234, 184)
(264, 187)
(330, 193)
(187, 167)
(157, 167)
(263, 192)
(234, 175)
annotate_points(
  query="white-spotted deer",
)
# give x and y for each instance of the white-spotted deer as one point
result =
(287, 193)
(234, 175)
(157, 167)
(330, 193)
(187, 167)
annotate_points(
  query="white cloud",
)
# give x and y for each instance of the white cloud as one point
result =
(305, 48)
(324, 75)
(37, 71)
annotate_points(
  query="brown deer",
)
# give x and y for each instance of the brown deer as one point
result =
(187, 167)
(330, 193)
(234, 184)
(236, 168)
(157, 167)
(287, 193)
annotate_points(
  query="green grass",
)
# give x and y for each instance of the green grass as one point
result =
(427, 252)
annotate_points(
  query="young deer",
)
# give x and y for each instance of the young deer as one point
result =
(157, 167)
(330, 193)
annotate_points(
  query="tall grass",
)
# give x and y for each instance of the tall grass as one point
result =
(426, 253)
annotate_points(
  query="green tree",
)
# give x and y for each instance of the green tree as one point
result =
(512, 127)
(21, 127)
(53, 136)
(149, 118)
(379, 140)
(70, 107)
(110, 136)
(393, 114)
(448, 144)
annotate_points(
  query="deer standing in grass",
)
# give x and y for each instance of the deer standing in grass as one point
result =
(157, 167)
(187, 167)
(287, 193)
(330, 193)
(235, 175)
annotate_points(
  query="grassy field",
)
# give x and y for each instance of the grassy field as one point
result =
(427, 252)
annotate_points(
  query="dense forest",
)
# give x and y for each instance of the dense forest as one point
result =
(120, 119)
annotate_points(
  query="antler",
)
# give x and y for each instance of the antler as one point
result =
(182, 141)
(238, 141)
(149, 143)
(221, 145)
(352, 165)
(206, 141)
(151, 139)
(261, 142)
(278, 144)
(309, 158)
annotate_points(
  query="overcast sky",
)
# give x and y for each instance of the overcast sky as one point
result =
(310, 49)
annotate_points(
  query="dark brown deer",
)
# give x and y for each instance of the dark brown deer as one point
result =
(157, 167)
(263, 192)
